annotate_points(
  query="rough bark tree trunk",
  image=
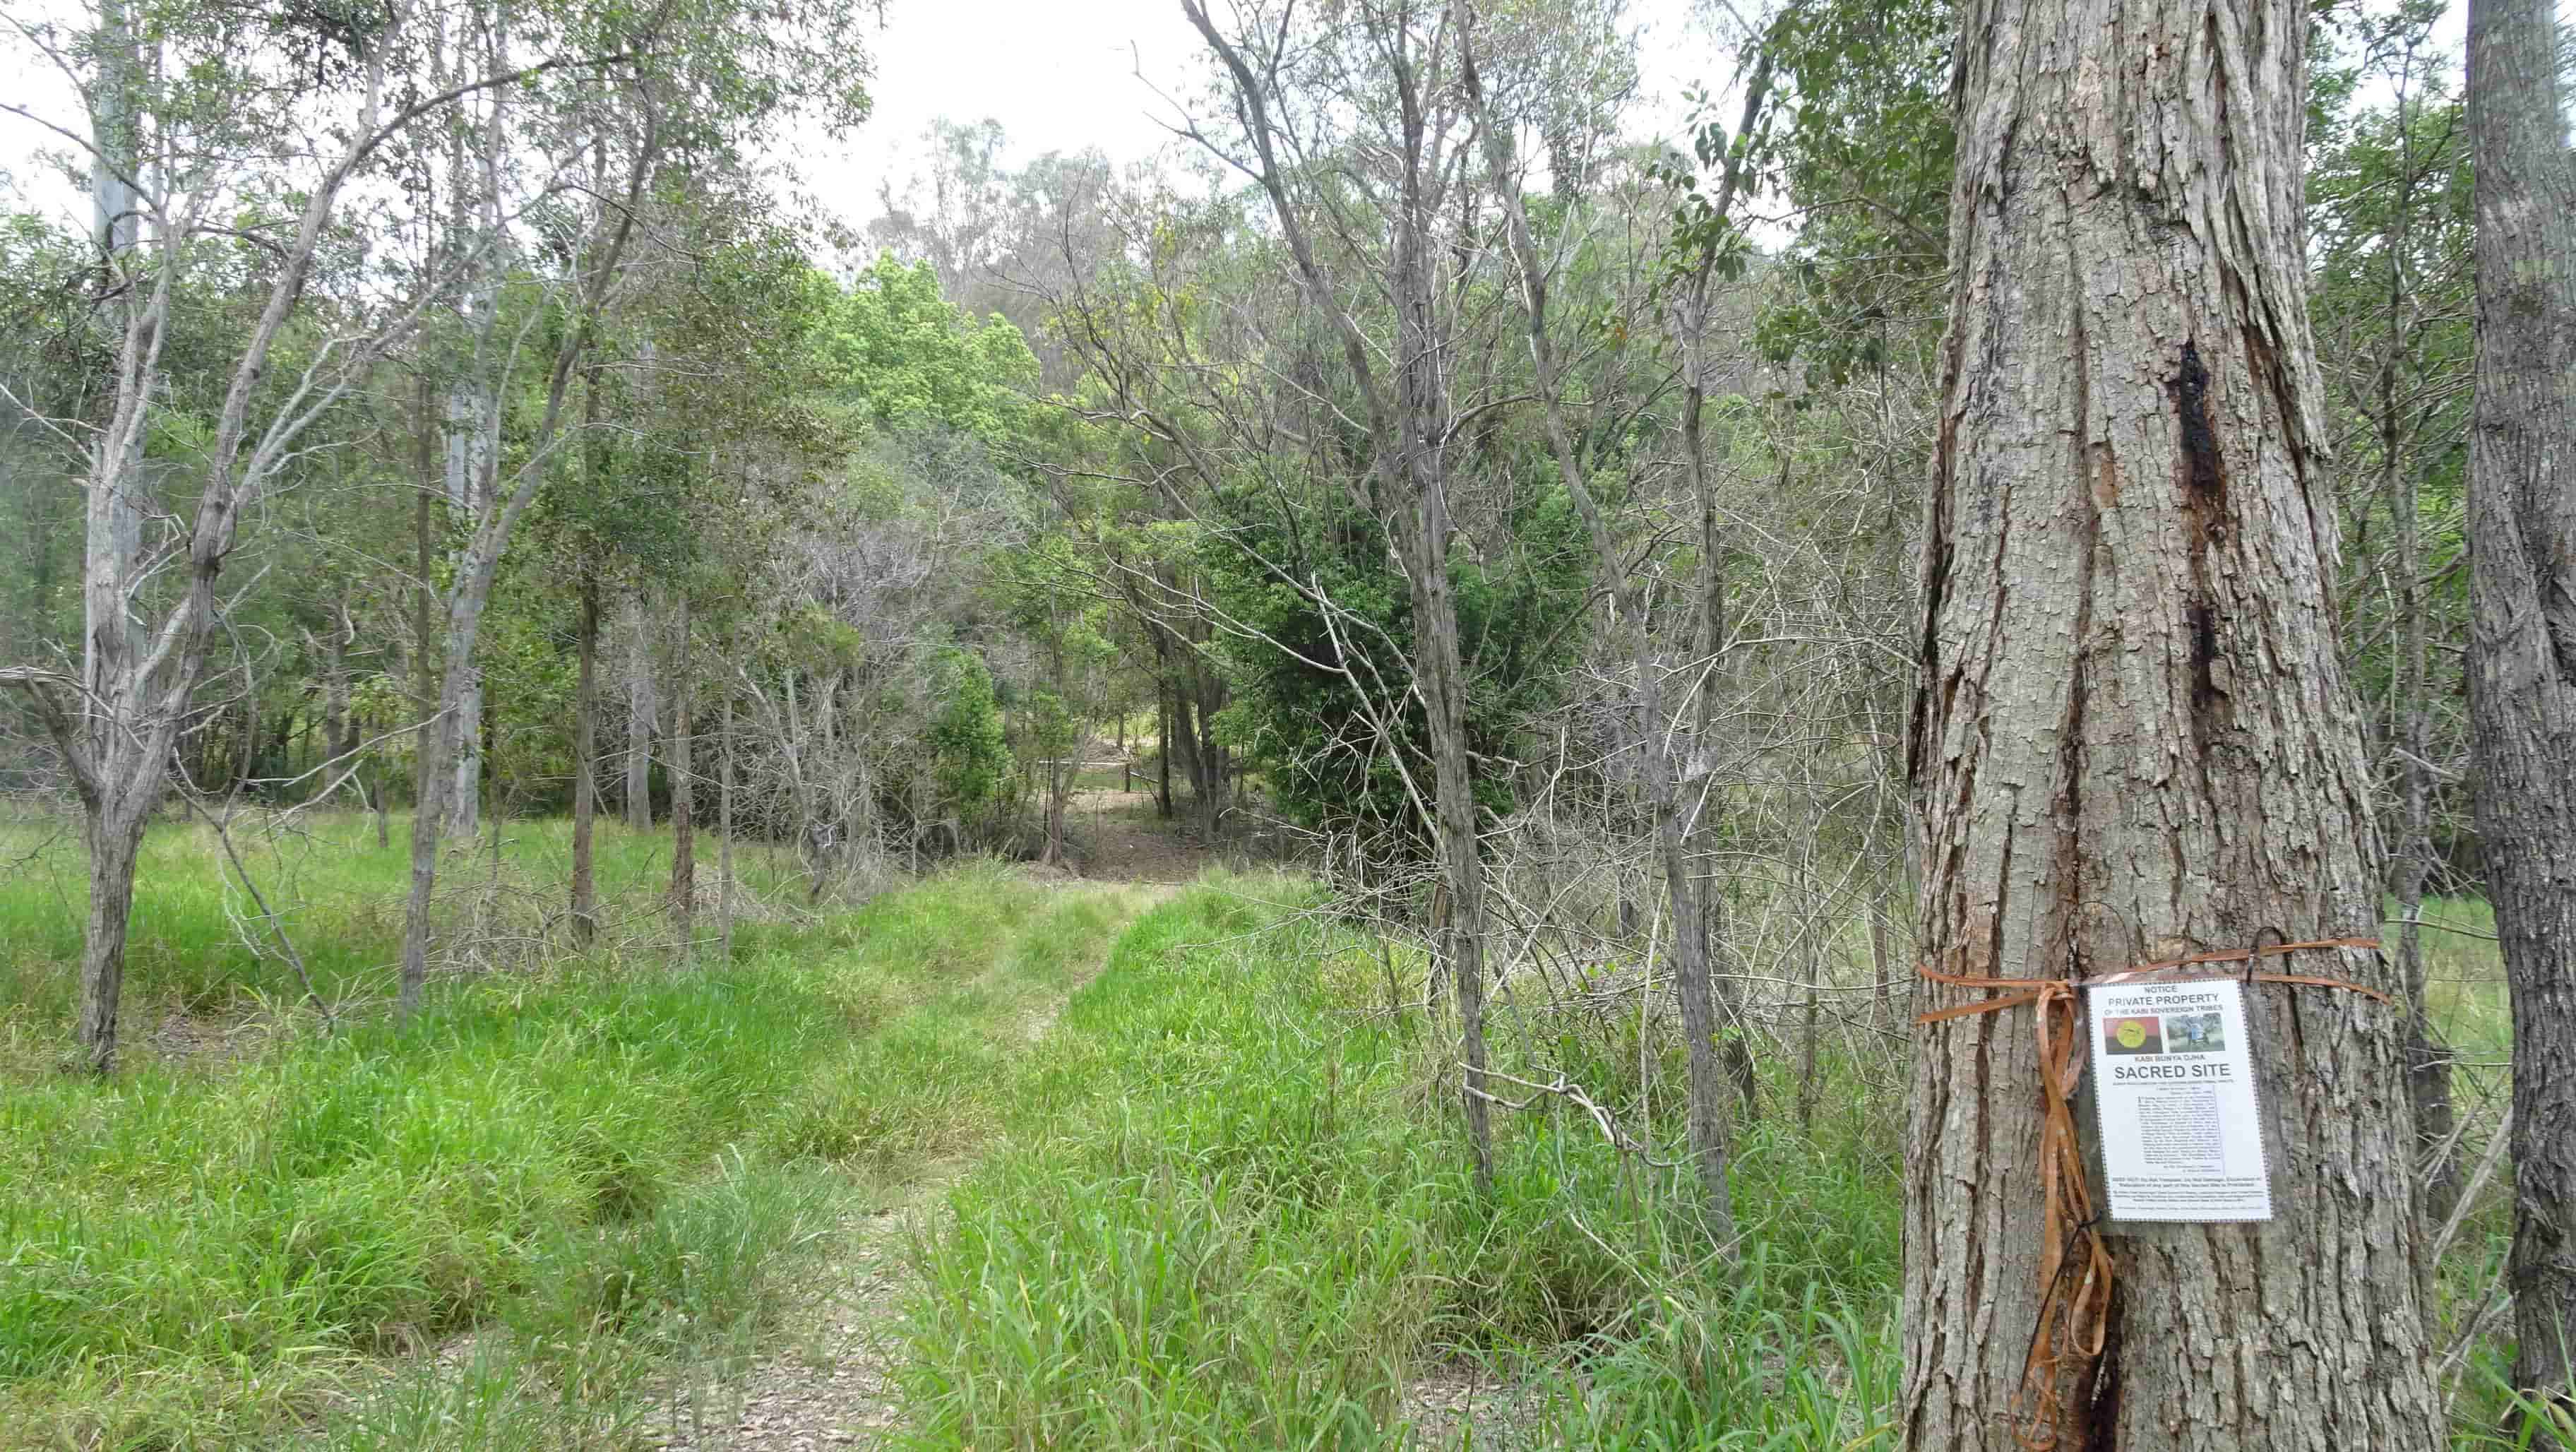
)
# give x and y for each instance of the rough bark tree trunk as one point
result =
(2132, 737)
(2522, 645)
(585, 766)
(115, 840)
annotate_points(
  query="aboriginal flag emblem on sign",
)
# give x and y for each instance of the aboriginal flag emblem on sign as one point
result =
(2133, 1034)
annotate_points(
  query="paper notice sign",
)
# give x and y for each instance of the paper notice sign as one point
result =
(2173, 1076)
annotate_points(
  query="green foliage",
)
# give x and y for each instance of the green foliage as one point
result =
(906, 357)
(1295, 712)
(969, 757)
(1864, 150)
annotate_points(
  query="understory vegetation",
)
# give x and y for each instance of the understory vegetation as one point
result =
(1220, 1201)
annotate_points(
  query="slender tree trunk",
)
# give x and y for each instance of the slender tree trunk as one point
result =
(2133, 738)
(1692, 942)
(115, 841)
(2410, 858)
(382, 791)
(339, 728)
(724, 836)
(424, 669)
(1059, 787)
(1732, 1053)
(1162, 750)
(2410, 714)
(1809, 1031)
(641, 712)
(1443, 679)
(684, 835)
(2522, 648)
(427, 816)
(585, 767)
(112, 550)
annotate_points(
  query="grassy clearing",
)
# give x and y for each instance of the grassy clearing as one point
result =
(192, 948)
(593, 1170)
(1231, 1214)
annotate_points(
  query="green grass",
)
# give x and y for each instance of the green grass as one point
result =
(339, 894)
(1230, 1214)
(1221, 1201)
(594, 1168)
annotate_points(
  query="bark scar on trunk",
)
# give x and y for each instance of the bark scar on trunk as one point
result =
(2205, 520)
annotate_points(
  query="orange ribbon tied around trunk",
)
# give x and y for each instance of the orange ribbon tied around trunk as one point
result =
(2075, 1270)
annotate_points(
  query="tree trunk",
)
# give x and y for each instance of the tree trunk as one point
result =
(724, 837)
(112, 549)
(1162, 750)
(467, 499)
(1705, 1116)
(1059, 786)
(115, 839)
(585, 767)
(2410, 715)
(2522, 650)
(683, 768)
(2132, 738)
(339, 728)
(1443, 679)
(641, 712)
(1706, 920)
(383, 807)
(424, 595)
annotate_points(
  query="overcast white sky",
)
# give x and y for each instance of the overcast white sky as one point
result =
(1065, 75)
(1058, 75)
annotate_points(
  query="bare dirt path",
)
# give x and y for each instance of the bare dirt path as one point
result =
(1117, 838)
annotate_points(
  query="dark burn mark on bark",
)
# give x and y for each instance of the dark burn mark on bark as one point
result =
(2205, 522)
(2204, 649)
(2102, 1398)
(2204, 483)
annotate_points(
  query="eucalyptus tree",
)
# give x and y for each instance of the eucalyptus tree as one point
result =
(1359, 133)
(1693, 902)
(2133, 740)
(268, 139)
(701, 83)
(2522, 644)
